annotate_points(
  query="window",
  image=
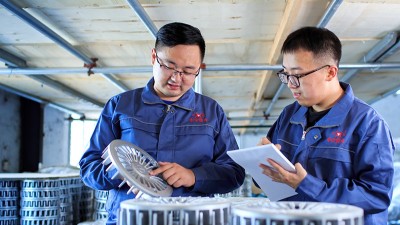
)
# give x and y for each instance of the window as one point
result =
(81, 131)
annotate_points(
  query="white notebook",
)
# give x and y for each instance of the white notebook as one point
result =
(250, 158)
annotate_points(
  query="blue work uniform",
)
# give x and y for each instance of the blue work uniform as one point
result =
(348, 155)
(193, 132)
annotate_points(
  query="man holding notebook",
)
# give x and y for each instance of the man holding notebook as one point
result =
(342, 148)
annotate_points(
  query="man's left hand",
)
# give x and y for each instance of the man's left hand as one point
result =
(279, 174)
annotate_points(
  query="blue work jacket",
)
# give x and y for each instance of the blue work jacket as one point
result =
(348, 155)
(193, 132)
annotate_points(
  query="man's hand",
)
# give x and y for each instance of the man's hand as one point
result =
(279, 174)
(265, 141)
(175, 174)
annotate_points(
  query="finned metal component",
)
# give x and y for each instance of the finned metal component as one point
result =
(175, 211)
(310, 213)
(133, 165)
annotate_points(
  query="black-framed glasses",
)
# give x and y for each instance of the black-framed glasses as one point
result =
(169, 70)
(294, 79)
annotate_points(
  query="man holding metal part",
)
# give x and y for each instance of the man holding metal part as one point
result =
(342, 149)
(187, 133)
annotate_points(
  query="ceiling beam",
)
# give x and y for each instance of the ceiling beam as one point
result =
(144, 17)
(33, 22)
(330, 11)
(41, 101)
(143, 69)
(289, 17)
(16, 61)
(10, 60)
(374, 54)
(384, 95)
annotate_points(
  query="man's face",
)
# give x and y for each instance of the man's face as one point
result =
(314, 88)
(169, 84)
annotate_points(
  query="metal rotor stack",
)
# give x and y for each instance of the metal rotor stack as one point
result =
(9, 197)
(100, 199)
(40, 201)
(175, 211)
(296, 213)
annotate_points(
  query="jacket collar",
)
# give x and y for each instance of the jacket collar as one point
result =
(337, 113)
(149, 96)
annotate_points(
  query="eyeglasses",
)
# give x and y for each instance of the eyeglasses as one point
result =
(170, 70)
(294, 79)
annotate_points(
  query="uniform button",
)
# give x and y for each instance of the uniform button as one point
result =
(315, 137)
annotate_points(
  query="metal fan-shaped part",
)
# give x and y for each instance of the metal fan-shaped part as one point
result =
(176, 203)
(133, 165)
(297, 210)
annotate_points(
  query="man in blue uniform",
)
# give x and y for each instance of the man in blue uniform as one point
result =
(342, 149)
(187, 133)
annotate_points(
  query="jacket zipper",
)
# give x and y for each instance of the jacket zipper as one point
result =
(168, 108)
(303, 137)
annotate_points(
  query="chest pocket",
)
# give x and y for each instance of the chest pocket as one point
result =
(195, 143)
(143, 134)
(200, 135)
(195, 130)
(322, 159)
(331, 153)
(132, 123)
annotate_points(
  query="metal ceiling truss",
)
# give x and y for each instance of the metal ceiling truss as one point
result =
(33, 22)
(12, 60)
(41, 101)
(386, 47)
(18, 66)
(143, 69)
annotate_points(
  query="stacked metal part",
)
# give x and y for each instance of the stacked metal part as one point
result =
(242, 191)
(175, 211)
(66, 216)
(81, 196)
(298, 213)
(100, 199)
(9, 196)
(76, 191)
(40, 201)
(86, 203)
(44, 199)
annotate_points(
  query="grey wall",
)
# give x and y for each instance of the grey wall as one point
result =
(389, 108)
(55, 135)
(55, 138)
(9, 132)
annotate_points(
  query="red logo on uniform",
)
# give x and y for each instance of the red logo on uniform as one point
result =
(198, 118)
(337, 137)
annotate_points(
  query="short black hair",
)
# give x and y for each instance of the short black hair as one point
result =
(176, 33)
(320, 41)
